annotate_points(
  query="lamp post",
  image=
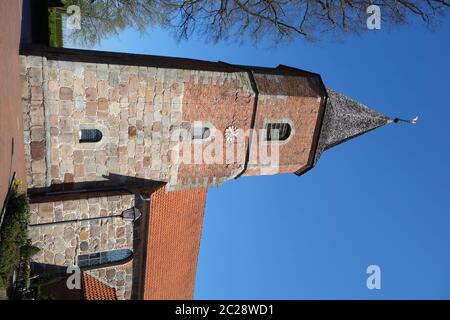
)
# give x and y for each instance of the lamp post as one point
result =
(131, 214)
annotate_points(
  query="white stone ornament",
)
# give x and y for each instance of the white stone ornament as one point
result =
(231, 133)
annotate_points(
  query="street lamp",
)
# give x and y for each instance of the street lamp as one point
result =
(131, 214)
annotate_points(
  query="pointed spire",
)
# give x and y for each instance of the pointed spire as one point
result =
(345, 119)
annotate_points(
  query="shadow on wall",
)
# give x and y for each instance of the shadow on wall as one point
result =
(114, 184)
(44, 269)
(52, 282)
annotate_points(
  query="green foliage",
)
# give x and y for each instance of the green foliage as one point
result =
(13, 235)
(55, 27)
(23, 277)
(28, 250)
(24, 270)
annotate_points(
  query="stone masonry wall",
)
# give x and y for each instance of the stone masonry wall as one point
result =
(133, 110)
(31, 75)
(137, 109)
(61, 243)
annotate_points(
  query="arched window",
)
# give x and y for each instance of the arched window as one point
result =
(90, 135)
(277, 131)
(104, 259)
(199, 133)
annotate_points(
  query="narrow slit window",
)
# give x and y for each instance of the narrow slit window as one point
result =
(90, 135)
(199, 133)
(277, 131)
(104, 259)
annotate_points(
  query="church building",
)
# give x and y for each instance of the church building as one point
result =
(121, 149)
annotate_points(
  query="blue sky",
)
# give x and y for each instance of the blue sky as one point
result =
(383, 198)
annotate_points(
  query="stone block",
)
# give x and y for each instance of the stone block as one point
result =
(78, 88)
(91, 94)
(66, 108)
(37, 93)
(37, 150)
(37, 114)
(45, 210)
(91, 108)
(37, 133)
(103, 89)
(35, 76)
(68, 177)
(65, 93)
(90, 79)
(66, 78)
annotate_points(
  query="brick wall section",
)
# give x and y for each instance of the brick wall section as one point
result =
(297, 100)
(61, 243)
(222, 102)
(176, 220)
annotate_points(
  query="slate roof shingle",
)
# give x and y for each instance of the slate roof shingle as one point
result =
(345, 119)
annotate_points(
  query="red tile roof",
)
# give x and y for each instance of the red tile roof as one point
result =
(94, 289)
(173, 243)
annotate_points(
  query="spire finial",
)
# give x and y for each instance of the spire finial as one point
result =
(412, 121)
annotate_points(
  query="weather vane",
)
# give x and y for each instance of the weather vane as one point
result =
(412, 121)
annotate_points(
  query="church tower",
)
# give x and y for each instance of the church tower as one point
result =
(109, 121)
(120, 150)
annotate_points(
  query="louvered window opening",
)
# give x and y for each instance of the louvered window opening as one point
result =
(90, 135)
(277, 131)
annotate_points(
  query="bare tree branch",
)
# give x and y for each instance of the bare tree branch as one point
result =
(271, 19)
